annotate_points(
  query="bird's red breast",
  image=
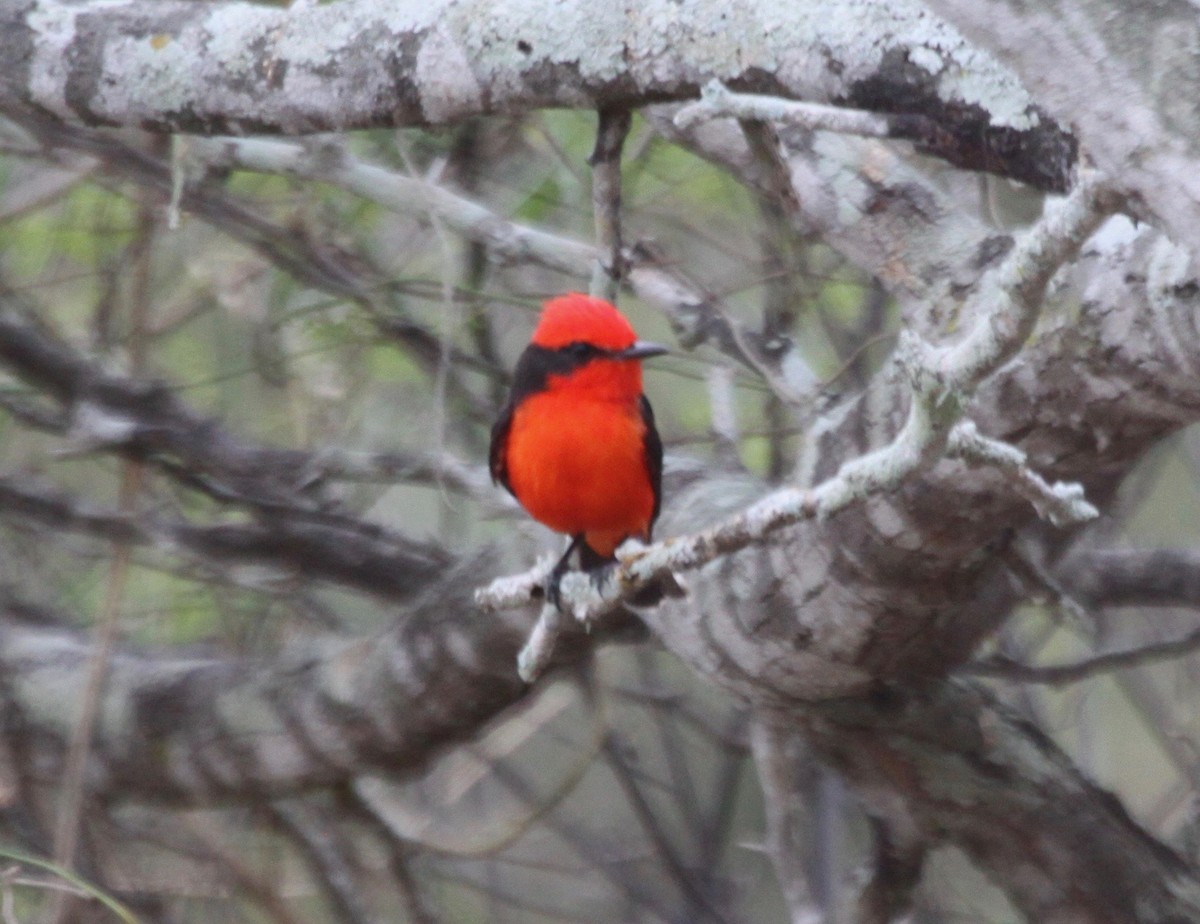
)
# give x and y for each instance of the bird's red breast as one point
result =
(577, 444)
(579, 465)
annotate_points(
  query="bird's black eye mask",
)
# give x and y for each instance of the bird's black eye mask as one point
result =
(537, 364)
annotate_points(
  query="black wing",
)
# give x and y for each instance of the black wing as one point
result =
(498, 451)
(654, 459)
(533, 368)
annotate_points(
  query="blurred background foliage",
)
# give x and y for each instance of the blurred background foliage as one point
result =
(624, 793)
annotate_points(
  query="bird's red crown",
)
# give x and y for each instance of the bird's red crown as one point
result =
(575, 317)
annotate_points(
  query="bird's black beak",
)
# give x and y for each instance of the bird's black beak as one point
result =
(642, 349)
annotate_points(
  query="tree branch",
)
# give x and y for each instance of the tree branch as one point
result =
(610, 270)
(198, 729)
(717, 101)
(359, 556)
(236, 67)
(953, 764)
(1132, 577)
(1007, 669)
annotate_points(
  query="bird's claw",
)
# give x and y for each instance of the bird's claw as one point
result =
(600, 576)
(553, 590)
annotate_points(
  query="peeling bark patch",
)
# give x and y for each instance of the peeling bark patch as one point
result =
(548, 79)
(963, 133)
(444, 71)
(760, 80)
(991, 250)
(401, 65)
(98, 36)
(269, 69)
(905, 200)
(16, 49)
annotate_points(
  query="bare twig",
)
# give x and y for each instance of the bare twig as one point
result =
(535, 657)
(328, 856)
(646, 902)
(282, 246)
(373, 560)
(610, 268)
(1061, 504)
(1132, 577)
(717, 101)
(1004, 668)
(781, 365)
(692, 311)
(72, 794)
(701, 906)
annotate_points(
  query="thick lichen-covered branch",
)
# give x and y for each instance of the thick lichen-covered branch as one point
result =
(236, 68)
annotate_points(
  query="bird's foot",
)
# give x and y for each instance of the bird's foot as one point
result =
(553, 587)
(602, 575)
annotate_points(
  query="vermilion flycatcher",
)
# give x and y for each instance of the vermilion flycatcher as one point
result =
(576, 443)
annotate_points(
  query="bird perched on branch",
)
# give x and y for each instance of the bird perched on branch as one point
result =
(576, 443)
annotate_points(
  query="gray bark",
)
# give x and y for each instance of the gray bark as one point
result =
(232, 68)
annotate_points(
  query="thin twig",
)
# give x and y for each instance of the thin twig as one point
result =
(700, 905)
(1060, 503)
(669, 733)
(329, 858)
(75, 768)
(611, 131)
(450, 316)
(693, 312)
(717, 101)
(1003, 668)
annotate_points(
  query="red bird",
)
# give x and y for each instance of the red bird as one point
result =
(576, 443)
